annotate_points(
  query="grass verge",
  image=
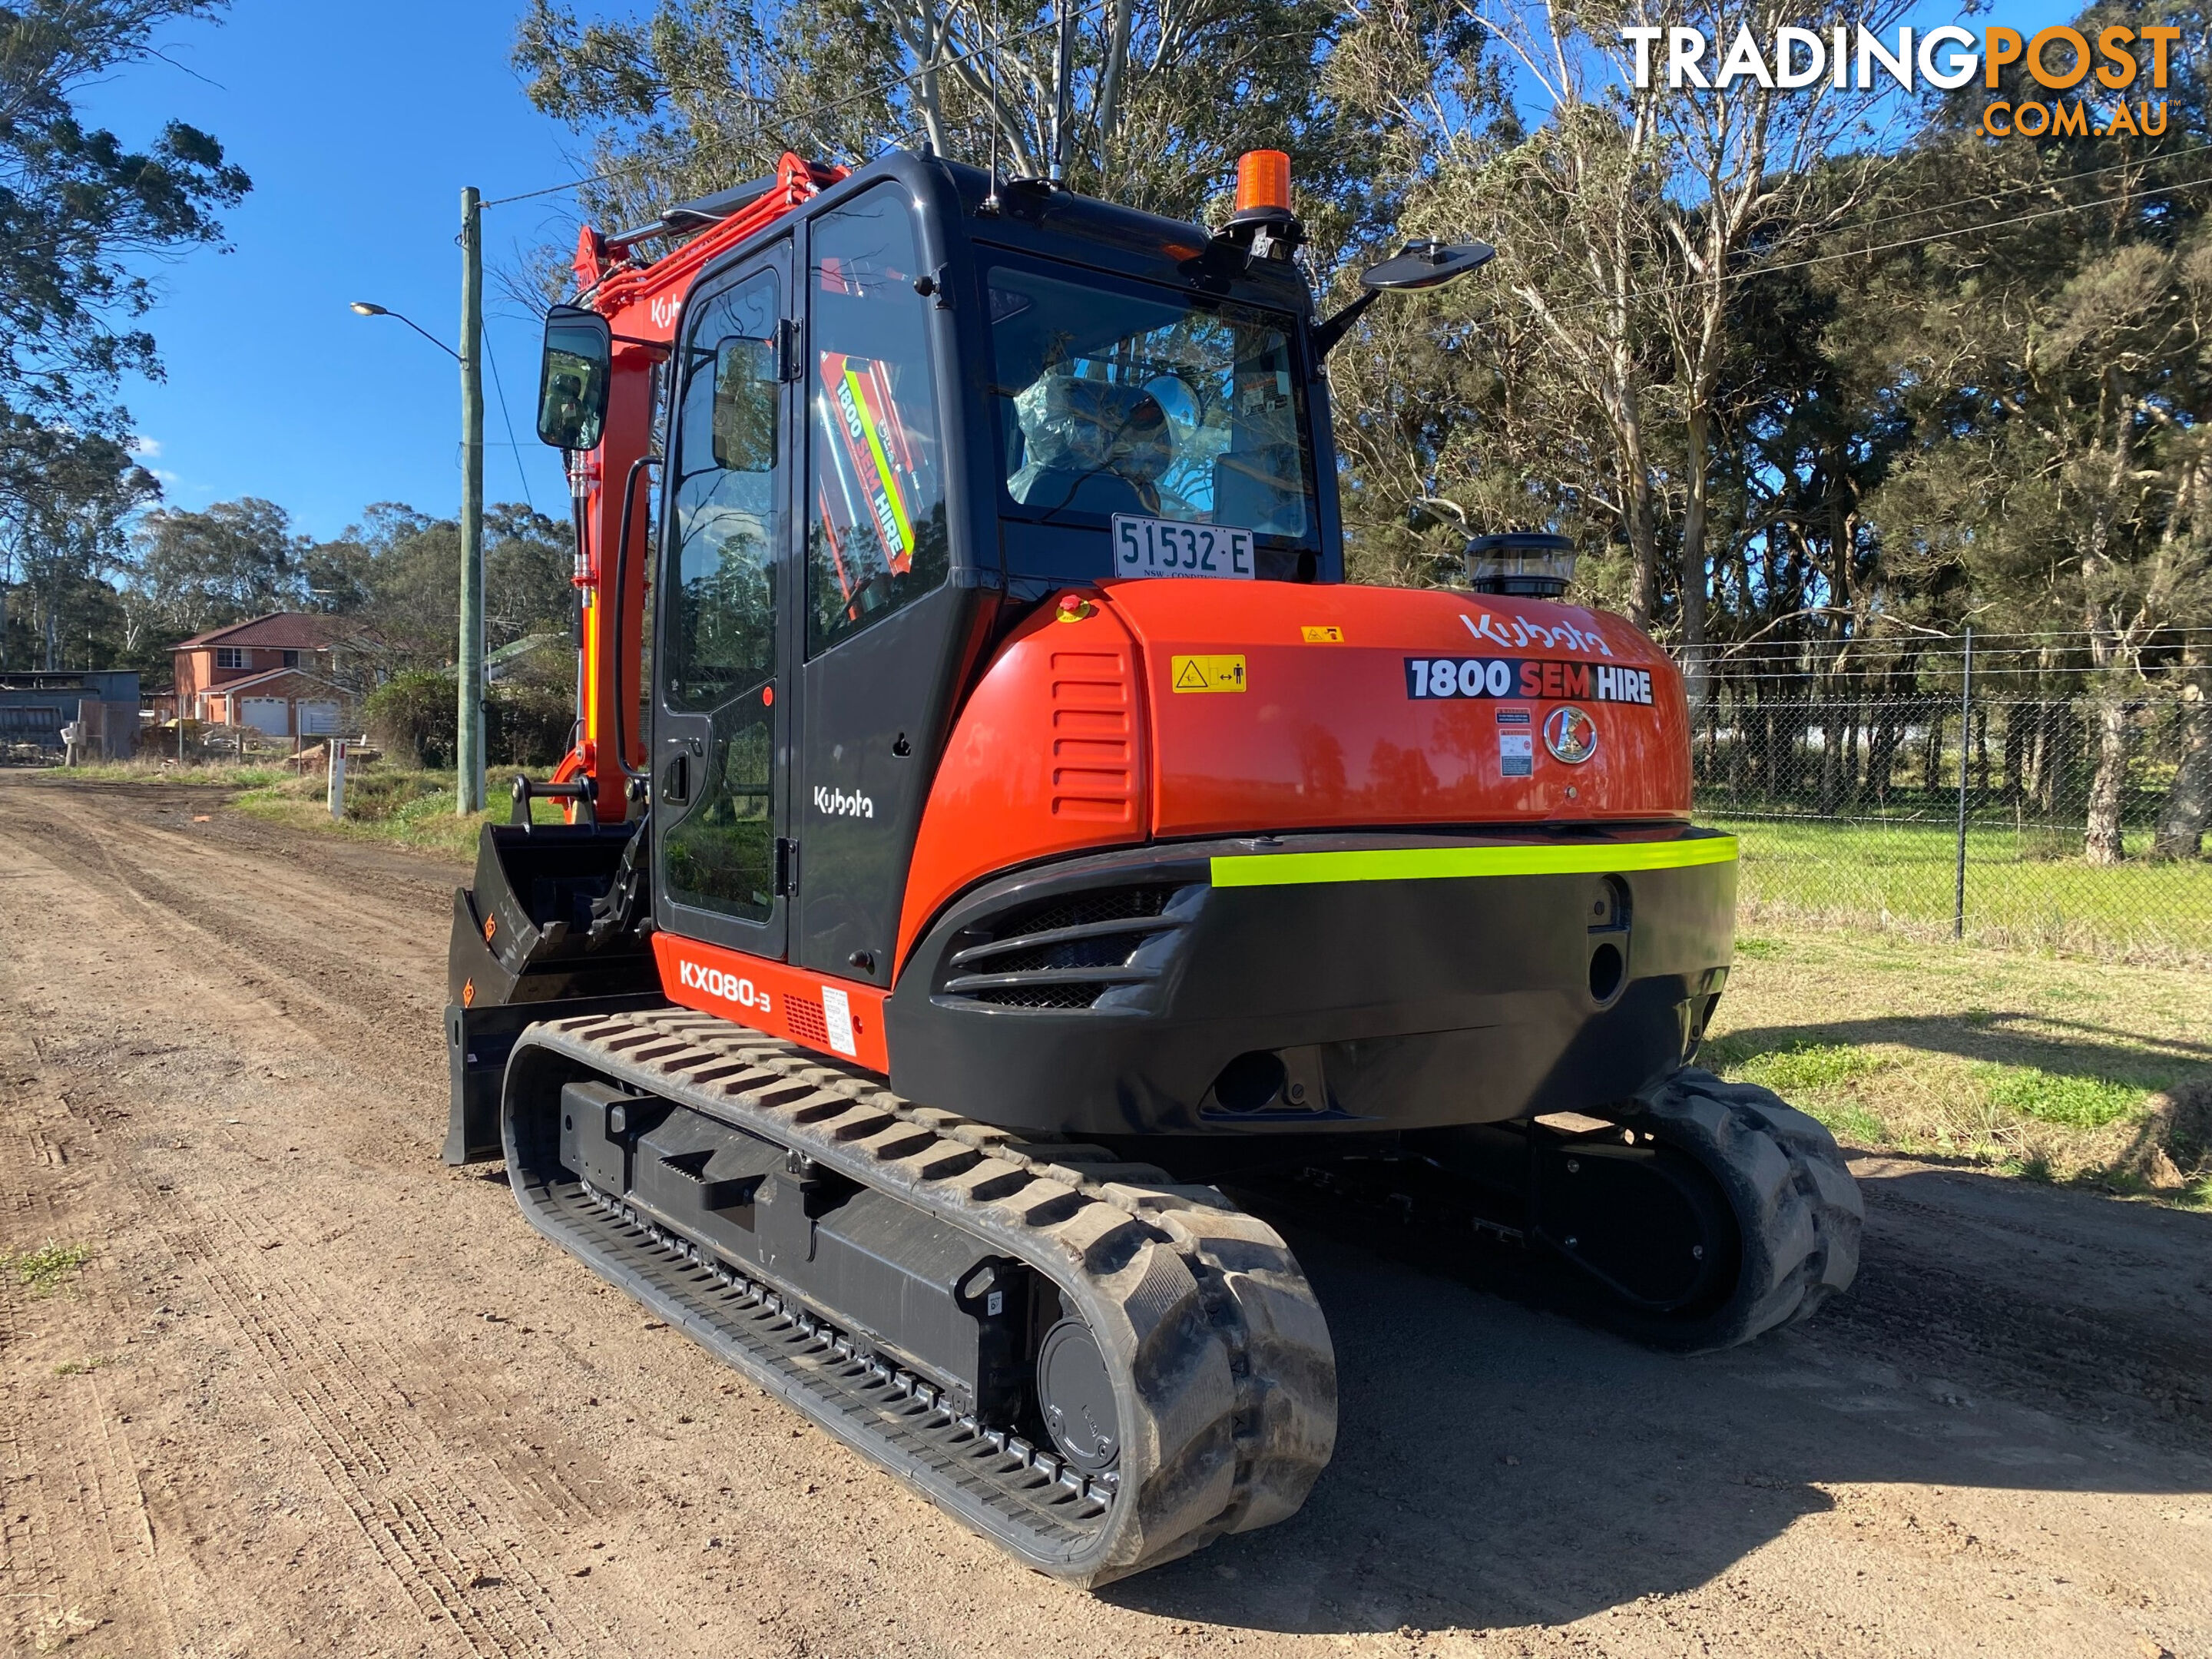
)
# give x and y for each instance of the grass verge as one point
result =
(396, 805)
(2047, 1066)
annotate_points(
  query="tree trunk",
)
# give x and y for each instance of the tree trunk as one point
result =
(2188, 807)
(2112, 650)
(2101, 839)
(1832, 761)
(1643, 531)
(1696, 673)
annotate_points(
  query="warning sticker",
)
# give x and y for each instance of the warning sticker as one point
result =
(837, 1015)
(1516, 754)
(1206, 673)
(1322, 634)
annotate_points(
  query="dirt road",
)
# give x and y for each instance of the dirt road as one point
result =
(314, 1392)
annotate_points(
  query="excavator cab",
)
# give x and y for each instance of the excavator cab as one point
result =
(993, 812)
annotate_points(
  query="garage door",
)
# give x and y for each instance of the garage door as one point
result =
(319, 718)
(268, 714)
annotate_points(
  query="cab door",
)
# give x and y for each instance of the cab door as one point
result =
(722, 712)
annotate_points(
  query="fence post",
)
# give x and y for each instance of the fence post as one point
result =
(1965, 747)
(337, 752)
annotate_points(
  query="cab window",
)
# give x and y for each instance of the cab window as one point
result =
(876, 532)
(1118, 397)
(721, 592)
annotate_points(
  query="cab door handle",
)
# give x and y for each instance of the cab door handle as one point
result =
(676, 780)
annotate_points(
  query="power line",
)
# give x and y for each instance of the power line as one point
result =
(1981, 197)
(804, 116)
(484, 334)
(1811, 260)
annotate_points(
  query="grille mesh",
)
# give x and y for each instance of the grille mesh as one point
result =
(1081, 910)
(807, 1024)
(1106, 950)
(1038, 996)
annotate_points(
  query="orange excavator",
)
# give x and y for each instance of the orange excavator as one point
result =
(997, 831)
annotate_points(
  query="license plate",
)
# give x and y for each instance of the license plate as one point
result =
(1161, 547)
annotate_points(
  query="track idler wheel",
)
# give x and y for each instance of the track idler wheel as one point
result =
(1075, 1393)
(1733, 1214)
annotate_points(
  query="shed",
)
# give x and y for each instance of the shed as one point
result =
(35, 705)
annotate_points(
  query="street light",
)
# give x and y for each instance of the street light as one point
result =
(364, 308)
(468, 667)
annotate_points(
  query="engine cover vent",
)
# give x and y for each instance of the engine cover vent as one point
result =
(1095, 948)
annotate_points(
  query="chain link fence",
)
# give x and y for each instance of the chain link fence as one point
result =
(1996, 792)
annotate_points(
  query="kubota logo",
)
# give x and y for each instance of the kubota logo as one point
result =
(728, 987)
(1570, 735)
(836, 803)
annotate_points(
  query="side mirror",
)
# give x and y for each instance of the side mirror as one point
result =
(1416, 265)
(572, 382)
(746, 388)
(1426, 264)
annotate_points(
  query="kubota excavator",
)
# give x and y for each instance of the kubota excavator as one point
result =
(996, 826)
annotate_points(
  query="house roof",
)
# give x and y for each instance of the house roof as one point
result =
(285, 631)
(263, 679)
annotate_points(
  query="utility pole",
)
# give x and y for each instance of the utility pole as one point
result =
(468, 749)
(1060, 93)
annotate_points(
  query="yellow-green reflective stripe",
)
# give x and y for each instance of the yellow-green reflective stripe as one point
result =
(1434, 863)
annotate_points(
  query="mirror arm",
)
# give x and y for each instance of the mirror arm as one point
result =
(1326, 335)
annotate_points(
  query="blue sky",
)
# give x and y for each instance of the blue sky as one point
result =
(360, 125)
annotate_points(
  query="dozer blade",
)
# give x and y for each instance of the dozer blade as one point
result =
(1096, 1369)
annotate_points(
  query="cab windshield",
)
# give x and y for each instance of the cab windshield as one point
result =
(1147, 401)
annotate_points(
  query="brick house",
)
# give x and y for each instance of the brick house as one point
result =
(276, 674)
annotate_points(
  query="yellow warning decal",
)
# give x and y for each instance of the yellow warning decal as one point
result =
(1328, 634)
(1206, 673)
(1440, 863)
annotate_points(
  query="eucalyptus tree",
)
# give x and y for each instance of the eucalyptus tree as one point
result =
(1162, 96)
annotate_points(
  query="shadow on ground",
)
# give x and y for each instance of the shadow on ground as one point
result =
(1500, 1466)
(2065, 1048)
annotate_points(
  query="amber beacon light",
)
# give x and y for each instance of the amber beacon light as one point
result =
(1263, 184)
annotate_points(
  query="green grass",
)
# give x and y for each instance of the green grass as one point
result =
(2023, 889)
(1853, 1125)
(212, 775)
(406, 807)
(1808, 1066)
(2077, 1103)
(396, 805)
(2040, 1066)
(47, 1268)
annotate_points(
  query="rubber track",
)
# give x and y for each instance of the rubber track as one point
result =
(1794, 1195)
(1227, 1380)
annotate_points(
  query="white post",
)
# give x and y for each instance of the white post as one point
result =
(337, 776)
